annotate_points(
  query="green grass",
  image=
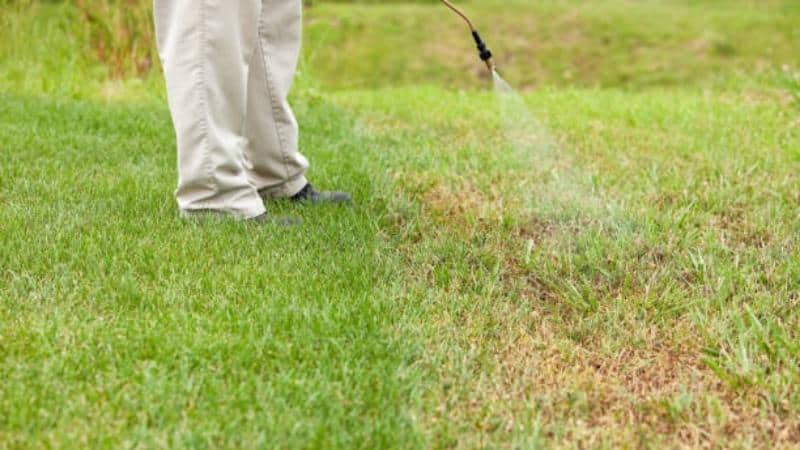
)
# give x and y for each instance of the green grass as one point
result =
(603, 43)
(627, 280)
(123, 324)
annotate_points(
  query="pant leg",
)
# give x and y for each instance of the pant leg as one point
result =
(205, 47)
(274, 164)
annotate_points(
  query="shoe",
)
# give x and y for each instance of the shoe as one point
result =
(266, 219)
(310, 195)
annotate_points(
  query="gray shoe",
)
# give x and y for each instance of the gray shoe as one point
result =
(310, 195)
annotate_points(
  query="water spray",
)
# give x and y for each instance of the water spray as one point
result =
(528, 142)
(484, 52)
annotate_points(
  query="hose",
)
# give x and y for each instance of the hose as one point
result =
(460, 13)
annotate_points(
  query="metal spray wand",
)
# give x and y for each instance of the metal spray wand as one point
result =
(485, 53)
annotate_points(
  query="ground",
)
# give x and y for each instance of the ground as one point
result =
(607, 261)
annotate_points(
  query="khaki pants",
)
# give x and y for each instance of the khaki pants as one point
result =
(229, 65)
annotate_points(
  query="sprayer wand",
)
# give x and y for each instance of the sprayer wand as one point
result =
(485, 53)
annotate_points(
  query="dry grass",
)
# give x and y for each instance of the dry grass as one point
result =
(657, 392)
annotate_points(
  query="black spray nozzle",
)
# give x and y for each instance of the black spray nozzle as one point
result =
(485, 53)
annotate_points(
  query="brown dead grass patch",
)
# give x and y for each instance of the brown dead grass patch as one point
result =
(446, 202)
(657, 392)
(462, 206)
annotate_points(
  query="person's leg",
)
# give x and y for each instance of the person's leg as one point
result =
(273, 161)
(205, 47)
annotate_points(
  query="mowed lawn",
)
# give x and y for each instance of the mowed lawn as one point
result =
(607, 267)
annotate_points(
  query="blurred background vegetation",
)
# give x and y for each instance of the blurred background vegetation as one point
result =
(604, 43)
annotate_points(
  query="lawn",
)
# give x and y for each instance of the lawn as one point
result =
(608, 261)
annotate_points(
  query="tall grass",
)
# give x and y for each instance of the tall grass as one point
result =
(121, 34)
